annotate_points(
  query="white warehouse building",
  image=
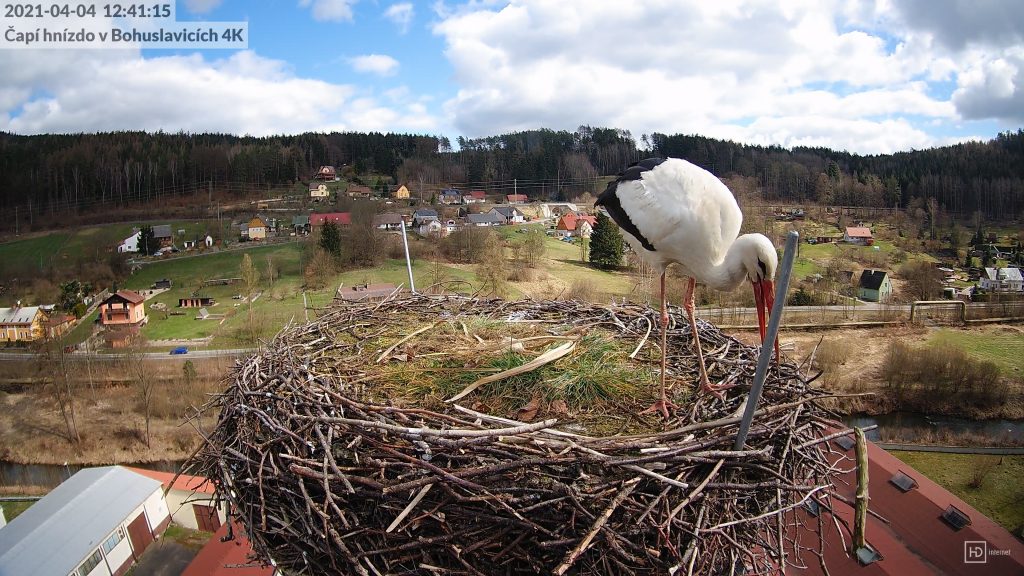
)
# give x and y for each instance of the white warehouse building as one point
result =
(96, 523)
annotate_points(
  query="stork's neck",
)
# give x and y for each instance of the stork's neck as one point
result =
(727, 274)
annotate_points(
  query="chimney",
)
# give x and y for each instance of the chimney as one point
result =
(860, 517)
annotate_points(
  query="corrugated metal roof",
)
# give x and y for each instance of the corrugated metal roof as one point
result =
(56, 533)
(22, 315)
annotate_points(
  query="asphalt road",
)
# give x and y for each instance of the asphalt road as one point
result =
(148, 355)
(164, 558)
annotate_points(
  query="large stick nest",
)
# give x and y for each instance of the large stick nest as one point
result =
(338, 453)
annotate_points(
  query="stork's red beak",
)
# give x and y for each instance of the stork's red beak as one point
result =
(764, 300)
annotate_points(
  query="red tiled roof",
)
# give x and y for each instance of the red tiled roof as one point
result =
(343, 218)
(184, 482)
(478, 194)
(516, 197)
(913, 538)
(128, 295)
(229, 558)
(858, 232)
(571, 221)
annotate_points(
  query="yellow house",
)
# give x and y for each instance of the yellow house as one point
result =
(318, 190)
(402, 192)
(21, 324)
(257, 228)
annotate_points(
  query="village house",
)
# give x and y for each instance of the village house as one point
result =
(318, 191)
(257, 228)
(130, 244)
(474, 197)
(189, 500)
(432, 228)
(22, 323)
(57, 324)
(1002, 280)
(123, 308)
(339, 218)
(509, 214)
(401, 193)
(300, 224)
(162, 233)
(388, 221)
(858, 235)
(568, 224)
(96, 523)
(516, 199)
(485, 219)
(450, 196)
(326, 173)
(358, 191)
(874, 286)
(422, 216)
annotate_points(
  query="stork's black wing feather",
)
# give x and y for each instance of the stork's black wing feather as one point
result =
(610, 200)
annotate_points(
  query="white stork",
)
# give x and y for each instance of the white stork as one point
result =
(673, 211)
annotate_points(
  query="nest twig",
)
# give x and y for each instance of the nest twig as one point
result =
(329, 475)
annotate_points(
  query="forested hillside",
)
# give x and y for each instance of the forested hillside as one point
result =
(49, 175)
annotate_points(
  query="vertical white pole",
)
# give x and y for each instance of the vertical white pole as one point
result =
(408, 261)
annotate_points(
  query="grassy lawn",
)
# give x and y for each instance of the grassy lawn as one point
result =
(187, 272)
(1006, 349)
(1000, 494)
(194, 539)
(90, 243)
(13, 509)
(31, 252)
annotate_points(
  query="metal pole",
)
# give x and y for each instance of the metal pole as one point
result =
(408, 261)
(769, 338)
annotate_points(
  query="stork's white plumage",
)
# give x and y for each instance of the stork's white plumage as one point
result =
(672, 211)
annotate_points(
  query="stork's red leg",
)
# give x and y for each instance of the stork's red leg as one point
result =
(663, 405)
(689, 305)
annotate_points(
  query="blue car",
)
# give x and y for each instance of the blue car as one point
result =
(179, 350)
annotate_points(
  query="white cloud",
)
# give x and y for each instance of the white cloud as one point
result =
(757, 70)
(992, 86)
(201, 6)
(330, 10)
(401, 14)
(380, 64)
(241, 94)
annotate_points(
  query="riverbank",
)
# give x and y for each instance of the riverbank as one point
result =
(853, 361)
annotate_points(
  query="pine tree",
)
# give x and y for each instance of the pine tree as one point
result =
(606, 245)
(147, 241)
(330, 239)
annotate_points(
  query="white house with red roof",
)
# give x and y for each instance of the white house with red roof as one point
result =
(858, 235)
(189, 499)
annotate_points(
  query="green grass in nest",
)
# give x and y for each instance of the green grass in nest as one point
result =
(589, 385)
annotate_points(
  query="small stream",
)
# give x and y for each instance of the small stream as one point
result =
(913, 427)
(50, 475)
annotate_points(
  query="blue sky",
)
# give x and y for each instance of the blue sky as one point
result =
(869, 76)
